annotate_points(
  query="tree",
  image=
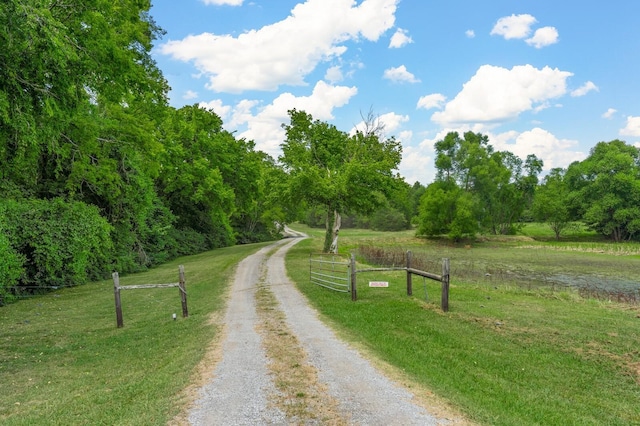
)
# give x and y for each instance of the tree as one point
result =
(497, 191)
(605, 189)
(550, 202)
(338, 172)
(446, 209)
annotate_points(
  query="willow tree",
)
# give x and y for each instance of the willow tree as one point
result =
(335, 171)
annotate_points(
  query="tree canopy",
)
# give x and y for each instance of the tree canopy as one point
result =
(338, 172)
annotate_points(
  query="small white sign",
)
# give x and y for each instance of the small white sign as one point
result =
(378, 283)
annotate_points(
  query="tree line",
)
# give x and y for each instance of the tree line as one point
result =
(99, 173)
(478, 189)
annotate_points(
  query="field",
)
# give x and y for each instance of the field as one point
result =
(511, 350)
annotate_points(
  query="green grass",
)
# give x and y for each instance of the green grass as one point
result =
(63, 361)
(504, 354)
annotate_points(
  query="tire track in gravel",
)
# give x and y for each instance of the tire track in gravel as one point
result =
(281, 365)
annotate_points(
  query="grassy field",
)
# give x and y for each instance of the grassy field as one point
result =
(64, 362)
(509, 352)
(505, 354)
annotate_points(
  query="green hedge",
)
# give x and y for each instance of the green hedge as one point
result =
(55, 243)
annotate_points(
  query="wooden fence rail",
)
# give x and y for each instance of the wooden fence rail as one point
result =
(444, 278)
(181, 284)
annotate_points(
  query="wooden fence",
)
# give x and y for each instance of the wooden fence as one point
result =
(334, 272)
(117, 287)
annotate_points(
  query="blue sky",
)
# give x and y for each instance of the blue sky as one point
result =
(550, 78)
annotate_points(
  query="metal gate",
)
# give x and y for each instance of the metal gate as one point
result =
(330, 270)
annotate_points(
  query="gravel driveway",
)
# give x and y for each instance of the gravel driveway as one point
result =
(242, 390)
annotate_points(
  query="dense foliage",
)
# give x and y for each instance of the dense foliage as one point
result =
(97, 171)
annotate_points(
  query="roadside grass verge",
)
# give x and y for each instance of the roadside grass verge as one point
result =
(504, 354)
(63, 361)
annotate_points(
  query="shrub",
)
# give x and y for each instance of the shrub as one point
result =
(61, 243)
(11, 267)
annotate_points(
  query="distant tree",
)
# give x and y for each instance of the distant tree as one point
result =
(605, 189)
(446, 209)
(551, 204)
(496, 192)
(330, 169)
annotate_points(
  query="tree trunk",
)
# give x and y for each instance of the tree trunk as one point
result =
(333, 224)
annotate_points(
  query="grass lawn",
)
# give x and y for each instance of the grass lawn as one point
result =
(63, 361)
(504, 354)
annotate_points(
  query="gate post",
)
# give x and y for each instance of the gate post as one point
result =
(354, 291)
(183, 291)
(445, 285)
(116, 292)
(409, 277)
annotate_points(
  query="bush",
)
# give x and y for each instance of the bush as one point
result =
(61, 243)
(388, 219)
(11, 267)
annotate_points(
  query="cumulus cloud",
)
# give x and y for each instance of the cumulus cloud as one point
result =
(264, 127)
(286, 51)
(400, 75)
(334, 74)
(399, 39)
(190, 94)
(543, 37)
(546, 146)
(223, 111)
(514, 26)
(496, 94)
(223, 2)
(632, 128)
(470, 33)
(609, 114)
(584, 89)
(390, 122)
(435, 100)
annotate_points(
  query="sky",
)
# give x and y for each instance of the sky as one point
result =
(550, 78)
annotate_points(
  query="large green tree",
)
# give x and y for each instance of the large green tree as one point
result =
(605, 189)
(491, 187)
(338, 172)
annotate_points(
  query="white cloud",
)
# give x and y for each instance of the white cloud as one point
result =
(543, 37)
(632, 128)
(470, 33)
(400, 38)
(417, 165)
(584, 89)
(223, 2)
(390, 122)
(553, 151)
(609, 114)
(223, 111)
(514, 26)
(334, 74)
(435, 100)
(265, 127)
(400, 75)
(496, 94)
(286, 51)
(190, 94)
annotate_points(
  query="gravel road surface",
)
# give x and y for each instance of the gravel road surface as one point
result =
(241, 390)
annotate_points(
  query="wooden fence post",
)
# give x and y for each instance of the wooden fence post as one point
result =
(445, 284)
(183, 291)
(354, 291)
(409, 277)
(116, 291)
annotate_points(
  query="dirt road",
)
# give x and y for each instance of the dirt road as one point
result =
(279, 364)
